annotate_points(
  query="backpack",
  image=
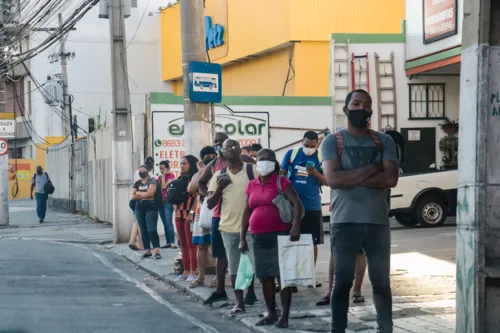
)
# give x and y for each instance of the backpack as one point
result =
(48, 187)
(177, 191)
(158, 194)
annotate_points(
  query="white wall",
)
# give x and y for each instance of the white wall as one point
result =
(415, 47)
(452, 90)
(89, 73)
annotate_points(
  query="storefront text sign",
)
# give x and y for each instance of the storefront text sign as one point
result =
(214, 34)
(440, 19)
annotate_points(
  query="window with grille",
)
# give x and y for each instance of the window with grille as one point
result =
(427, 101)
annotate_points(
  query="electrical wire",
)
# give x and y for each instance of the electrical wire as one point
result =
(291, 69)
(139, 25)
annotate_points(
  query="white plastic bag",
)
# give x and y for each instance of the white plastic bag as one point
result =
(296, 260)
(205, 216)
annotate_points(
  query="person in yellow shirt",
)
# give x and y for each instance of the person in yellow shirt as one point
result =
(228, 185)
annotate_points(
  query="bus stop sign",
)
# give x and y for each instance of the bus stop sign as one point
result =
(205, 82)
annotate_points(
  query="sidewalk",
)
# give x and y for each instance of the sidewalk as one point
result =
(414, 312)
(58, 226)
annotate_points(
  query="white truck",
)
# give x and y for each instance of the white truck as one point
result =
(426, 199)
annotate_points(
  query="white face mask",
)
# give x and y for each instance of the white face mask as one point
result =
(265, 168)
(309, 151)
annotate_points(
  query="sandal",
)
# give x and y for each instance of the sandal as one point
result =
(196, 284)
(133, 247)
(146, 255)
(281, 324)
(324, 301)
(358, 298)
(157, 256)
(266, 321)
(173, 246)
(235, 311)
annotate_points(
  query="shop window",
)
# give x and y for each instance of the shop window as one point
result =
(427, 101)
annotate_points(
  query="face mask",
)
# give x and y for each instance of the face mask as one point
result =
(218, 150)
(308, 151)
(264, 168)
(143, 174)
(208, 160)
(39, 172)
(359, 118)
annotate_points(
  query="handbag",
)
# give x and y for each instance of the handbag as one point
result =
(206, 214)
(284, 206)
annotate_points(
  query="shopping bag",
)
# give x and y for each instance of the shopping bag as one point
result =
(296, 261)
(205, 216)
(245, 273)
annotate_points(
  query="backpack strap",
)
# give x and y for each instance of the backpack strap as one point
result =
(340, 144)
(223, 170)
(293, 155)
(250, 174)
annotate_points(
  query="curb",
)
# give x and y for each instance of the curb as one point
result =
(244, 320)
(105, 242)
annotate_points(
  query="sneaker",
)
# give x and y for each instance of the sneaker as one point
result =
(192, 277)
(215, 297)
(41, 220)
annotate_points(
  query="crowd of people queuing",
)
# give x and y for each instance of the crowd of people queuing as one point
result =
(239, 185)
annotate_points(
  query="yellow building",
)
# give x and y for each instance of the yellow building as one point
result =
(278, 47)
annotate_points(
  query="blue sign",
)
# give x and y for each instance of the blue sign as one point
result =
(205, 82)
(214, 35)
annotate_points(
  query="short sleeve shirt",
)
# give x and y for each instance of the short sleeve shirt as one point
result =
(359, 204)
(306, 185)
(265, 215)
(39, 181)
(233, 198)
(143, 187)
(137, 177)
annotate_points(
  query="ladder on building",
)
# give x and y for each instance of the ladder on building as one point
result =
(360, 72)
(340, 83)
(386, 92)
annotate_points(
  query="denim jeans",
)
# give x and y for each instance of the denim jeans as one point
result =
(346, 241)
(167, 217)
(41, 205)
(146, 213)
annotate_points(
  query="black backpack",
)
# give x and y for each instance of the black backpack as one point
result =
(48, 187)
(177, 191)
(158, 194)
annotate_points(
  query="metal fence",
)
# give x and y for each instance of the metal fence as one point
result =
(93, 174)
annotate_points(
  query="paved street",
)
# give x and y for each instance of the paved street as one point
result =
(49, 283)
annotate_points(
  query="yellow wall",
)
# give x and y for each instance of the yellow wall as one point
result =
(26, 168)
(312, 69)
(262, 76)
(259, 25)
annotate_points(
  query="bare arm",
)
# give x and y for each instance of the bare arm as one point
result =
(214, 198)
(193, 184)
(245, 221)
(283, 172)
(204, 179)
(134, 194)
(32, 188)
(149, 194)
(337, 178)
(386, 179)
(319, 176)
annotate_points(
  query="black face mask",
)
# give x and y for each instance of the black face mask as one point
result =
(358, 118)
(143, 174)
(207, 161)
(39, 172)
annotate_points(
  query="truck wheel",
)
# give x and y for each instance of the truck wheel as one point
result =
(406, 220)
(431, 211)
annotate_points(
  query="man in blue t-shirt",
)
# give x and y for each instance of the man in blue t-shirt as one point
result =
(303, 168)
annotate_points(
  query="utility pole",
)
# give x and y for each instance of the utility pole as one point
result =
(122, 125)
(196, 115)
(67, 116)
(4, 160)
(478, 222)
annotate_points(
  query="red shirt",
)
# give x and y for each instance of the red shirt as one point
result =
(265, 215)
(167, 178)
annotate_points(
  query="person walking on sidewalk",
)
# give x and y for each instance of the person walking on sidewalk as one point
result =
(38, 182)
(360, 166)
(135, 234)
(201, 236)
(218, 250)
(167, 209)
(303, 168)
(184, 218)
(146, 211)
(228, 187)
(263, 219)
